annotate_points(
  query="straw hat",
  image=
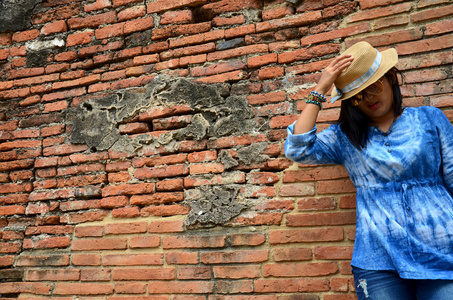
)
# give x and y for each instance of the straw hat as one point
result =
(367, 67)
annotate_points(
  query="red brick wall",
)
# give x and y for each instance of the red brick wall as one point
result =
(109, 224)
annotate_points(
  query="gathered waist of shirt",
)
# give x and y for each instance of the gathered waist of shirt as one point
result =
(402, 185)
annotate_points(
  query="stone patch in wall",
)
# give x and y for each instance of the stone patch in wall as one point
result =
(16, 15)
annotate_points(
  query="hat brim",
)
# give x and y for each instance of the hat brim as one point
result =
(388, 61)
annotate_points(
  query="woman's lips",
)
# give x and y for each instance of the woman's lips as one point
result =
(373, 106)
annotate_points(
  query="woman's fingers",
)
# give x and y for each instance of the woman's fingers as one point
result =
(331, 72)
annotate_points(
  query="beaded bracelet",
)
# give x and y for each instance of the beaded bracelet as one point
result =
(314, 102)
(319, 97)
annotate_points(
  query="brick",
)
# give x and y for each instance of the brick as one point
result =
(439, 27)
(144, 242)
(392, 21)
(178, 242)
(146, 59)
(89, 231)
(128, 189)
(201, 38)
(83, 289)
(98, 5)
(189, 50)
(99, 244)
(132, 13)
(307, 53)
(55, 27)
(138, 25)
(92, 21)
(5, 39)
(153, 259)
(163, 5)
(64, 94)
(156, 47)
(165, 211)
(162, 172)
(26, 288)
(207, 168)
(333, 252)
(25, 35)
(77, 82)
(295, 20)
(247, 239)
(226, 54)
(225, 77)
(380, 12)
(4, 53)
(42, 260)
(291, 285)
(66, 56)
(174, 17)
(10, 247)
(224, 6)
(86, 259)
(292, 254)
(181, 287)
(239, 31)
(130, 288)
(175, 30)
(52, 275)
(157, 198)
(300, 269)
(218, 68)
(270, 72)
(431, 14)
(117, 3)
(306, 235)
(154, 274)
(321, 219)
(334, 34)
(95, 275)
(236, 272)
(225, 21)
(18, 93)
(181, 258)
(277, 12)
(7, 260)
(47, 243)
(88, 51)
(17, 164)
(262, 60)
(430, 88)
(195, 59)
(125, 228)
(397, 37)
(200, 273)
(114, 202)
(119, 177)
(239, 256)
(12, 210)
(18, 51)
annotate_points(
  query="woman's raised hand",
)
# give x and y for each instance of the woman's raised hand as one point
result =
(331, 72)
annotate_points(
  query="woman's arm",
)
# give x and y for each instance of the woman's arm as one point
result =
(307, 118)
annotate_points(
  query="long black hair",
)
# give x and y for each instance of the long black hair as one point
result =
(354, 123)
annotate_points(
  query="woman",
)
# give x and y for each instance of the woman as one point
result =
(401, 163)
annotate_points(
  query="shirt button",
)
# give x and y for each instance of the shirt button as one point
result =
(387, 144)
(389, 151)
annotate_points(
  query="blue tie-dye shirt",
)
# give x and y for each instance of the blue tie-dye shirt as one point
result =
(404, 182)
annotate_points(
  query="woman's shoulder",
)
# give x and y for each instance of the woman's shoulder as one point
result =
(423, 111)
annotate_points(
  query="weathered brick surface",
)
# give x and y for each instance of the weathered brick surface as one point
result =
(93, 222)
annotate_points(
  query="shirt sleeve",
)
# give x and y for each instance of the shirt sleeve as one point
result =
(445, 132)
(313, 148)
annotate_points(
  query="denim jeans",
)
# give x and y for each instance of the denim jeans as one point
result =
(388, 285)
